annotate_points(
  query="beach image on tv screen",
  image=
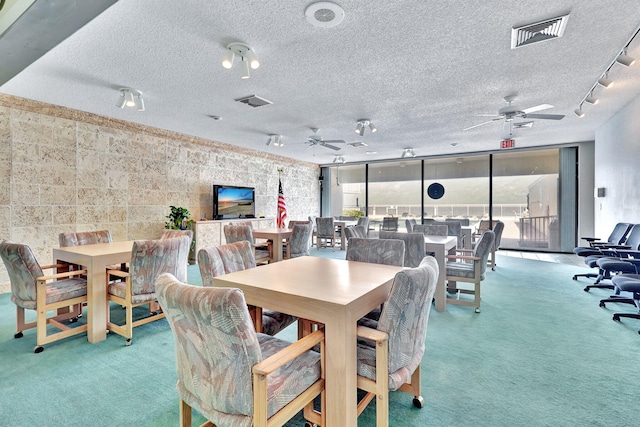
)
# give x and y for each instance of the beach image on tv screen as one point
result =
(235, 201)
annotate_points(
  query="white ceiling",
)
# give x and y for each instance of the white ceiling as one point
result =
(420, 70)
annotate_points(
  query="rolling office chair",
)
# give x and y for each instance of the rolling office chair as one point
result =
(626, 283)
(616, 238)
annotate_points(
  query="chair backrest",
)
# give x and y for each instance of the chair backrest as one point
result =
(249, 223)
(325, 227)
(294, 222)
(431, 230)
(300, 241)
(463, 221)
(454, 228)
(238, 233)
(151, 258)
(216, 348)
(82, 238)
(377, 251)
(483, 248)
(499, 228)
(405, 315)
(364, 221)
(220, 260)
(414, 247)
(170, 234)
(389, 223)
(349, 232)
(23, 269)
(633, 238)
(619, 233)
(346, 218)
(409, 223)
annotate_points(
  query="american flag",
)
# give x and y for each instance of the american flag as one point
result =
(282, 207)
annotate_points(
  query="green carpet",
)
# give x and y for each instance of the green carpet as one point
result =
(541, 353)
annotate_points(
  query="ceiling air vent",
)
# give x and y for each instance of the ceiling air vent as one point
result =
(540, 31)
(254, 101)
(357, 144)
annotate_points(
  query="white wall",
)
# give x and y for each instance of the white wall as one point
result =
(585, 190)
(617, 168)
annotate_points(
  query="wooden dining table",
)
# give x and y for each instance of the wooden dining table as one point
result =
(333, 292)
(342, 224)
(95, 258)
(278, 236)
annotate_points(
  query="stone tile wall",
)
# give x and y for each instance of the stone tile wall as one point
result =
(66, 170)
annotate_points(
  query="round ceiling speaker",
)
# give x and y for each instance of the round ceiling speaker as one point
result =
(435, 190)
(324, 14)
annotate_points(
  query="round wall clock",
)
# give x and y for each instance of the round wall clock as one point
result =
(435, 190)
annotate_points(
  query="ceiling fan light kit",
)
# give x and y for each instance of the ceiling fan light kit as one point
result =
(247, 56)
(131, 98)
(361, 124)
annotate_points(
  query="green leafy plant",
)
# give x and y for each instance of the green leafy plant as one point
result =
(354, 212)
(179, 218)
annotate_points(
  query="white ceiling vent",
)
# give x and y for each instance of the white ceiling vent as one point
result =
(539, 31)
(254, 101)
(357, 144)
(324, 14)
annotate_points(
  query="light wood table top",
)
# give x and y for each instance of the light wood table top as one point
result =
(96, 258)
(330, 291)
(277, 235)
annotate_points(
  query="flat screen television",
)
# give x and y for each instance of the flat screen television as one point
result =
(233, 202)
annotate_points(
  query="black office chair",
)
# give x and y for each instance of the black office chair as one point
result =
(626, 283)
(617, 237)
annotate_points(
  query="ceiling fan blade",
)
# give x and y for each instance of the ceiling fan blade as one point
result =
(497, 116)
(480, 124)
(544, 116)
(537, 108)
(334, 141)
(333, 147)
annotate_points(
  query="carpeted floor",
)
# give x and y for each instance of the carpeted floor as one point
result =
(541, 353)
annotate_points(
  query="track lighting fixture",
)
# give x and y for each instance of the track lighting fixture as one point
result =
(247, 57)
(276, 140)
(408, 152)
(338, 159)
(604, 80)
(131, 98)
(362, 123)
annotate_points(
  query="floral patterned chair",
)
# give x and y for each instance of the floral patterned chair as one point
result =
(232, 257)
(230, 374)
(299, 243)
(31, 289)
(431, 230)
(469, 268)
(169, 234)
(391, 349)
(413, 244)
(325, 233)
(238, 233)
(84, 238)
(149, 259)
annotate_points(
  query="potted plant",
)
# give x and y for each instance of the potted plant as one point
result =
(179, 218)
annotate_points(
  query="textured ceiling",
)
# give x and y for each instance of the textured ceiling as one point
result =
(420, 70)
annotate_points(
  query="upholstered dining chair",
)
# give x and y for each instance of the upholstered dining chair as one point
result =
(469, 268)
(230, 374)
(325, 233)
(238, 233)
(389, 223)
(364, 221)
(391, 349)
(224, 259)
(358, 231)
(149, 259)
(31, 289)
(81, 238)
(409, 223)
(299, 243)
(431, 230)
(414, 247)
(497, 230)
(170, 234)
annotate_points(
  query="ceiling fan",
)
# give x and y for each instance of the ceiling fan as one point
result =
(316, 139)
(511, 112)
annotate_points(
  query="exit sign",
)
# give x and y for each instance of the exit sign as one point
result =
(507, 143)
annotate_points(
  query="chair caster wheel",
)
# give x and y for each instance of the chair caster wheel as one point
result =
(38, 349)
(586, 289)
(308, 424)
(418, 402)
(477, 309)
(493, 269)
(73, 320)
(616, 317)
(575, 277)
(602, 304)
(18, 335)
(127, 342)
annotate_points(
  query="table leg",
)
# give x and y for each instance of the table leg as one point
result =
(343, 239)
(96, 301)
(441, 293)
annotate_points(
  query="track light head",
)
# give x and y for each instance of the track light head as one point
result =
(578, 112)
(605, 82)
(625, 59)
(360, 128)
(591, 99)
(276, 140)
(408, 152)
(245, 53)
(362, 123)
(131, 98)
(373, 128)
(338, 159)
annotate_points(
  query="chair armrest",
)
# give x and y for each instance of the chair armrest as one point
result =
(286, 355)
(118, 273)
(590, 239)
(61, 275)
(628, 253)
(372, 334)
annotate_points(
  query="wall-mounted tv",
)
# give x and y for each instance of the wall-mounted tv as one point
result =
(233, 202)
